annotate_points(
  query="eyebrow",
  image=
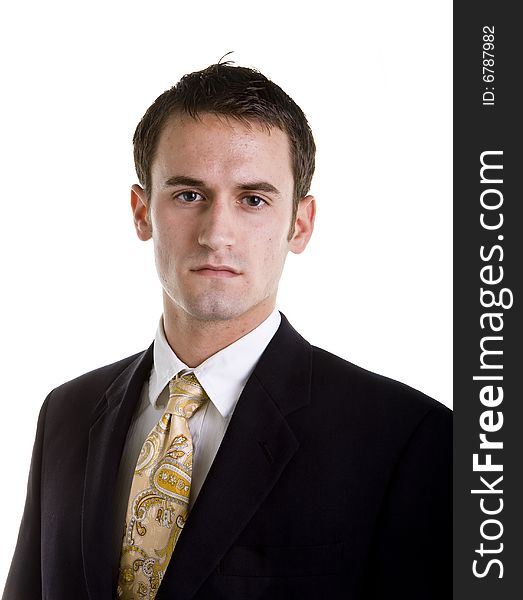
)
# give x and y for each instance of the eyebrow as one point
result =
(261, 186)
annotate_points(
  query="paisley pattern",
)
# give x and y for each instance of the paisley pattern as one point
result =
(159, 497)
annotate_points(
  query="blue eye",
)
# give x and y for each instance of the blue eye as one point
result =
(188, 196)
(254, 201)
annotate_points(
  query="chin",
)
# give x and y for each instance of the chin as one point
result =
(215, 310)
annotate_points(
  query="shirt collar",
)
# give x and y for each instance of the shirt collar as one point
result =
(224, 374)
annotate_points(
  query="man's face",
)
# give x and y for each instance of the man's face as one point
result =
(219, 215)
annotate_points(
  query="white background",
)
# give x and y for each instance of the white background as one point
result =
(78, 288)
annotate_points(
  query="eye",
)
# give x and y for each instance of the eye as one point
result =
(188, 197)
(253, 201)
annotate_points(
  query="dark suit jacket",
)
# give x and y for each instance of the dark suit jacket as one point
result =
(331, 482)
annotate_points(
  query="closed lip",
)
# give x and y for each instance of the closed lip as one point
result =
(217, 268)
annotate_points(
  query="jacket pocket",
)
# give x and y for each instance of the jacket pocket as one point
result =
(282, 561)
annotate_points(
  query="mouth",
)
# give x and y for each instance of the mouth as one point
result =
(216, 271)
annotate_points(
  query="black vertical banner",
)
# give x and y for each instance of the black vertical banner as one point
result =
(488, 299)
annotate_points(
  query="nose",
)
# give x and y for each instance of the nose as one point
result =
(217, 226)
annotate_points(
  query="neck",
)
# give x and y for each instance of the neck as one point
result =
(194, 341)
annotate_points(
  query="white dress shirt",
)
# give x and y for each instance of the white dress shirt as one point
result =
(223, 376)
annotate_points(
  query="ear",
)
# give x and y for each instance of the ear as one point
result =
(140, 205)
(303, 225)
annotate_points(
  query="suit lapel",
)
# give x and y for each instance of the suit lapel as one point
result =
(106, 440)
(256, 448)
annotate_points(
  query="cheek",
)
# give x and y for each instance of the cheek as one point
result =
(268, 256)
(166, 248)
(270, 236)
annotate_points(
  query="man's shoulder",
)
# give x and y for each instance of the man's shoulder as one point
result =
(355, 385)
(101, 375)
(92, 384)
(353, 391)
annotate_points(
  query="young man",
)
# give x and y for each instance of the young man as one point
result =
(232, 459)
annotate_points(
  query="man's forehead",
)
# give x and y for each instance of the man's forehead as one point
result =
(217, 122)
(209, 137)
(210, 141)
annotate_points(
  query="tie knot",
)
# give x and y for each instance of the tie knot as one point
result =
(186, 395)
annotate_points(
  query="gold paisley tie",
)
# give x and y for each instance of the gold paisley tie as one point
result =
(159, 497)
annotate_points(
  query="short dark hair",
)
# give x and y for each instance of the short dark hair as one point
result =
(239, 92)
